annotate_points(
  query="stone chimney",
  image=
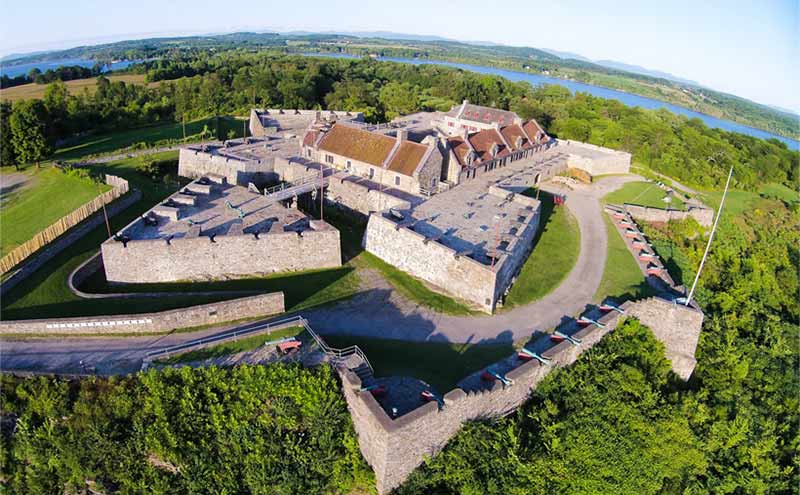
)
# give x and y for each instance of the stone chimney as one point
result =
(402, 135)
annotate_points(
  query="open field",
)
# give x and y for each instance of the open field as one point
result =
(149, 136)
(555, 250)
(76, 86)
(440, 364)
(46, 195)
(622, 278)
(644, 194)
(231, 347)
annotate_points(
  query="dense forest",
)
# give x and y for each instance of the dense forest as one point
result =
(233, 82)
(261, 430)
(524, 59)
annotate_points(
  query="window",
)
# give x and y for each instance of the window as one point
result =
(328, 158)
(397, 181)
(349, 164)
(371, 172)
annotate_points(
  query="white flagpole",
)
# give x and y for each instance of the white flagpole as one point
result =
(710, 238)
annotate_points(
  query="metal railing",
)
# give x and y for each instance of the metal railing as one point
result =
(338, 356)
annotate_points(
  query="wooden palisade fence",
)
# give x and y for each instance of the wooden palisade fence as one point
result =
(51, 233)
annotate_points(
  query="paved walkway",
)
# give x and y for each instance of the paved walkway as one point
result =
(377, 312)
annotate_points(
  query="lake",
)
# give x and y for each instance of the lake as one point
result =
(626, 98)
(18, 70)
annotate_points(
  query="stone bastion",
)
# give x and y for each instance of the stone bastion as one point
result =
(395, 447)
(211, 230)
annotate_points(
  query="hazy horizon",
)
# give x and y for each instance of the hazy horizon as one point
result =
(696, 47)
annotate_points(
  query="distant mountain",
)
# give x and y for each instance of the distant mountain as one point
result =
(636, 69)
(565, 55)
(14, 56)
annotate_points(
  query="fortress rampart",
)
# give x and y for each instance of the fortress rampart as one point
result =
(596, 160)
(703, 216)
(195, 163)
(456, 273)
(395, 447)
(207, 258)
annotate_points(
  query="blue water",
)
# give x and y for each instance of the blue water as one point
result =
(18, 70)
(628, 99)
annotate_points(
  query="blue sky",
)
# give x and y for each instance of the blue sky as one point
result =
(751, 49)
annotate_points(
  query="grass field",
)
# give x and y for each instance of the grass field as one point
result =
(622, 278)
(231, 347)
(47, 195)
(555, 251)
(441, 364)
(644, 194)
(105, 143)
(77, 86)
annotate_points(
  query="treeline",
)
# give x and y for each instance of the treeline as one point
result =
(277, 429)
(618, 422)
(64, 73)
(236, 80)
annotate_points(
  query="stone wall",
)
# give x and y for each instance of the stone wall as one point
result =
(206, 258)
(596, 160)
(165, 321)
(394, 448)
(459, 275)
(431, 260)
(195, 164)
(344, 190)
(703, 216)
(676, 326)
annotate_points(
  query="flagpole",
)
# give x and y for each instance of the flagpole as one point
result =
(710, 238)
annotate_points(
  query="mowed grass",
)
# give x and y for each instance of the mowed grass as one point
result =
(622, 278)
(149, 136)
(644, 194)
(232, 347)
(35, 91)
(555, 251)
(46, 196)
(440, 364)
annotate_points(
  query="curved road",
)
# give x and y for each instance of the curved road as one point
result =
(377, 312)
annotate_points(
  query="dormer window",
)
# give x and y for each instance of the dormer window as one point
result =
(518, 142)
(495, 149)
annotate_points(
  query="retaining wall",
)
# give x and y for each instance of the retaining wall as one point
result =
(164, 321)
(394, 448)
(704, 216)
(206, 258)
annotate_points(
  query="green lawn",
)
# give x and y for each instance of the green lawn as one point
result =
(48, 195)
(231, 347)
(170, 131)
(555, 252)
(440, 364)
(644, 194)
(622, 278)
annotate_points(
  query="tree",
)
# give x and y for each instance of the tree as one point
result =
(7, 154)
(399, 99)
(28, 131)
